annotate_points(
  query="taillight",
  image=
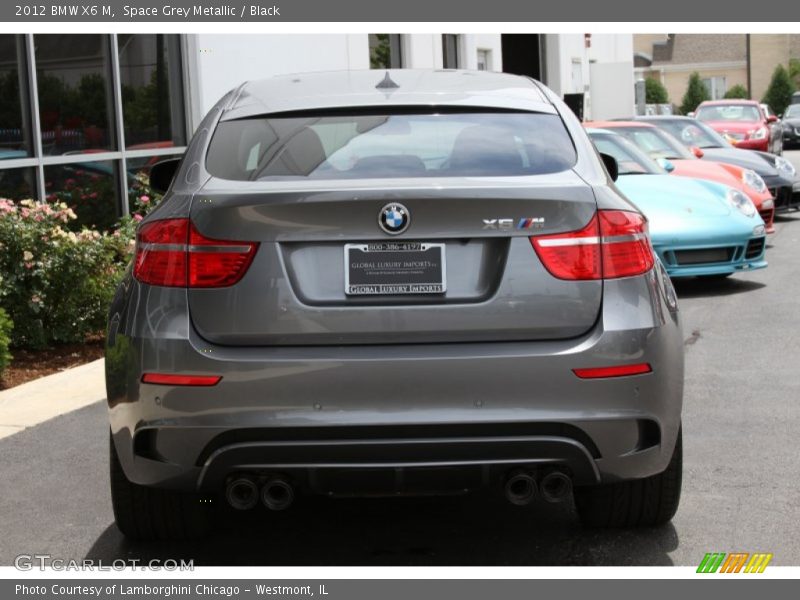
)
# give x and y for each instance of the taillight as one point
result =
(172, 253)
(175, 379)
(613, 244)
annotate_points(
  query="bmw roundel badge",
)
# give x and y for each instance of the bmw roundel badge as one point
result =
(394, 218)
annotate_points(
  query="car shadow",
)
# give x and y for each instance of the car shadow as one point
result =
(701, 287)
(450, 531)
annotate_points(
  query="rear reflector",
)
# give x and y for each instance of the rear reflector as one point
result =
(613, 244)
(172, 379)
(172, 253)
(618, 371)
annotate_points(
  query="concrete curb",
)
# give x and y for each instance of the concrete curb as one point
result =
(42, 399)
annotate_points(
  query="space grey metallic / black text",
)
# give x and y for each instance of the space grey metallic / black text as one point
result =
(389, 283)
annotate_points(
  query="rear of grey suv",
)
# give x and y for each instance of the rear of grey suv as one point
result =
(392, 283)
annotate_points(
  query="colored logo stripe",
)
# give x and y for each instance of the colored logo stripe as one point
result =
(734, 563)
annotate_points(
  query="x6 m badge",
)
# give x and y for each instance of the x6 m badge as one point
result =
(524, 223)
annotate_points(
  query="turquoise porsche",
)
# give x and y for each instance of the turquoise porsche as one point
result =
(698, 227)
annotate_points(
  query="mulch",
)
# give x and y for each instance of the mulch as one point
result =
(28, 365)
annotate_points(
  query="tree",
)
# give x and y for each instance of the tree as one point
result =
(736, 92)
(794, 71)
(779, 92)
(695, 94)
(655, 92)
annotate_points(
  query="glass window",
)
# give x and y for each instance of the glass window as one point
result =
(390, 145)
(484, 60)
(75, 102)
(15, 123)
(729, 112)
(630, 160)
(450, 51)
(152, 91)
(139, 179)
(18, 184)
(89, 188)
(655, 142)
(385, 51)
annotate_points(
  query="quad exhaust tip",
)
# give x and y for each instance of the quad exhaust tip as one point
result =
(242, 493)
(277, 494)
(520, 488)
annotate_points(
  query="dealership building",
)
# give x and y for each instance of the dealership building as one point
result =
(83, 116)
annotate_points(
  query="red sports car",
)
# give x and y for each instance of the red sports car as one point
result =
(744, 123)
(662, 147)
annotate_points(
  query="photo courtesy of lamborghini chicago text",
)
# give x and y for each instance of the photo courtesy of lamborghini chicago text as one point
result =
(351, 299)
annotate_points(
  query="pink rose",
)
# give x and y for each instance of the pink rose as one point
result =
(137, 218)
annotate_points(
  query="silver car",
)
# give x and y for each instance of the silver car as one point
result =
(389, 283)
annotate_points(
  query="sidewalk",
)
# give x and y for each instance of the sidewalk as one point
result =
(42, 399)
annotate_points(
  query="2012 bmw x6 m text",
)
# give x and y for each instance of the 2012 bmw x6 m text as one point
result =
(392, 283)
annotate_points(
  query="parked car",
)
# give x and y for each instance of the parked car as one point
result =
(352, 291)
(744, 122)
(662, 147)
(698, 227)
(791, 126)
(778, 173)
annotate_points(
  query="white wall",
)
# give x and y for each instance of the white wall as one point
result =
(485, 41)
(564, 50)
(218, 63)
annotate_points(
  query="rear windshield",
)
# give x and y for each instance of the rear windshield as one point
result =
(390, 145)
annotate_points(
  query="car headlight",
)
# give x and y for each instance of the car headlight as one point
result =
(785, 168)
(742, 203)
(759, 134)
(768, 204)
(753, 180)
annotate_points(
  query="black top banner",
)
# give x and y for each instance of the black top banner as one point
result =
(445, 11)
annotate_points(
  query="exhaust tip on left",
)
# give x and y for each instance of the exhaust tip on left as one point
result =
(242, 493)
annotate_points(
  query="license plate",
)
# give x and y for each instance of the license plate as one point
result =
(394, 268)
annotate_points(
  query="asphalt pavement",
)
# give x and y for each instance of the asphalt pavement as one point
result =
(741, 473)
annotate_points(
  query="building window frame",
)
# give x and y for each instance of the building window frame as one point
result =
(119, 154)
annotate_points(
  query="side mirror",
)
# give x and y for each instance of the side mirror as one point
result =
(162, 173)
(697, 152)
(772, 119)
(665, 164)
(611, 165)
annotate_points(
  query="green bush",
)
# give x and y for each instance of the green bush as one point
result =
(5, 339)
(696, 93)
(737, 92)
(655, 92)
(780, 89)
(57, 284)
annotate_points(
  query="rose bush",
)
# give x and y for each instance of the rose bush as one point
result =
(5, 339)
(57, 283)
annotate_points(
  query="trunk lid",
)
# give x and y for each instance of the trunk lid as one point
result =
(294, 291)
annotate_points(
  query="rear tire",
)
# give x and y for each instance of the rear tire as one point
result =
(639, 503)
(148, 514)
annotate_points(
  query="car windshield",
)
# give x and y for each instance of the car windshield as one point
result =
(792, 111)
(388, 145)
(655, 142)
(630, 160)
(729, 112)
(691, 132)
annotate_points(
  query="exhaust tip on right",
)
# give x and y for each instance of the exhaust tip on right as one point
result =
(277, 494)
(556, 486)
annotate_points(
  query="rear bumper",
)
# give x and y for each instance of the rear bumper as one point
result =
(402, 409)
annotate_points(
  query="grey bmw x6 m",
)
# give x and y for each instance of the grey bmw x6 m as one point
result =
(392, 283)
